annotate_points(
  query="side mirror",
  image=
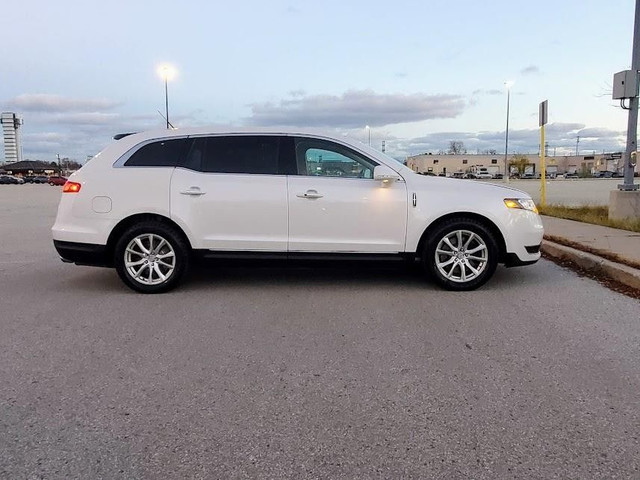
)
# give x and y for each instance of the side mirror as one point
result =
(385, 174)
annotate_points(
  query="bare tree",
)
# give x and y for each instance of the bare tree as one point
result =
(456, 147)
(520, 162)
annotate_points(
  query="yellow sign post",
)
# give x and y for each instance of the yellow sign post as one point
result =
(543, 170)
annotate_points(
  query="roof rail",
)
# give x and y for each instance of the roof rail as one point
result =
(122, 135)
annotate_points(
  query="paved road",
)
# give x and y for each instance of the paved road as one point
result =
(308, 373)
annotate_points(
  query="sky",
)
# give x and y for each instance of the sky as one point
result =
(419, 73)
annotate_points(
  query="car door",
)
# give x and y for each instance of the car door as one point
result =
(228, 194)
(335, 205)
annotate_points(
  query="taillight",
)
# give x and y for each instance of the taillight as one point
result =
(71, 187)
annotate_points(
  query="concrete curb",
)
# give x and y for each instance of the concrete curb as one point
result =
(616, 271)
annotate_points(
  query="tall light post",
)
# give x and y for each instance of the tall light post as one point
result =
(166, 72)
(369, 131)
(508, 84)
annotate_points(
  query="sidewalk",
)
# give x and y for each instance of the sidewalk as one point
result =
(604, 251)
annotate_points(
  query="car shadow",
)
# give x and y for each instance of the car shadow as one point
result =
(204, 277)
(285, 274)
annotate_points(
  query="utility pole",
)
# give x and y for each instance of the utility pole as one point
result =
(59, 169)
(577, 144)
(632, 123)
(625, 202)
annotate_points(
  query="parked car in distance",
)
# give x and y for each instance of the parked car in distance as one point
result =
(483, 175)
(498, 176)
(36, 179)
(457, 175)
(151, 203)
(571, 175)
(55, 180)
(10, 179)
(528, 175)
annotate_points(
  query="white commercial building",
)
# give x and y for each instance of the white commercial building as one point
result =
(448, 164)
(11, 132)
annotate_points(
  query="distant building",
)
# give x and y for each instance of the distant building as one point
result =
(11, 131)
(30, 167)
(448, 164)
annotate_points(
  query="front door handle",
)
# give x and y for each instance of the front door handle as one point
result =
(311, 194)
(195, 191)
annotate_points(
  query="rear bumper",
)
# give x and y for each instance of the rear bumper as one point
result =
(83, 253)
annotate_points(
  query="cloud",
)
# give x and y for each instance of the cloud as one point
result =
(492, 91)
(530, 70)
(355, 108)
(75, 127)
(43, 102)
(88, 118)
(598, 133)
(561, 138)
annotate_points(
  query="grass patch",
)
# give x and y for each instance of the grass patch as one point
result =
(596, 215)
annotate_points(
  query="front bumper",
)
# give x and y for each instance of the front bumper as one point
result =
(83, 253)
(512, 260)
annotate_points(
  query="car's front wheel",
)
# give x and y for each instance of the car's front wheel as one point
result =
(151, 257)
(461, 254)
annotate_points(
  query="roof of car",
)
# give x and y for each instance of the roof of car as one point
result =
(218, 130)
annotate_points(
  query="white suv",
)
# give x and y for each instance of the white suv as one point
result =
(152, 203)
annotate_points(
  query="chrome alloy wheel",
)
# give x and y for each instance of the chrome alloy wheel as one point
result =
(461, 256)
(149, 259)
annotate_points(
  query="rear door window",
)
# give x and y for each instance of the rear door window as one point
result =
(250, 154)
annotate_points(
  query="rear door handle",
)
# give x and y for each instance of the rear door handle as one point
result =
(195, 191)
(311, 194)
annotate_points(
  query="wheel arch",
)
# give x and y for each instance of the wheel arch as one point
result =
(131, 220)
(493, 228)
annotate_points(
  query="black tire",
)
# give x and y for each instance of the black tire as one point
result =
(175, 242)
(472, 231)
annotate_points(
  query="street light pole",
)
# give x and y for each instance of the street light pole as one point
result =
(166, 100)
(167, 72)
(506, 137)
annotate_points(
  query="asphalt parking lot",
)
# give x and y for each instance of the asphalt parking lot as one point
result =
(281, 372)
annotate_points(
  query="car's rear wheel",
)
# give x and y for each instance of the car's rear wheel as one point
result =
(461, 254)
(151, 257)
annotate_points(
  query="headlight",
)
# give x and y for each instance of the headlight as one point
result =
(521, 203)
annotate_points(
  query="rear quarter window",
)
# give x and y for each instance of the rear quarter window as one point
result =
(163, 153)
